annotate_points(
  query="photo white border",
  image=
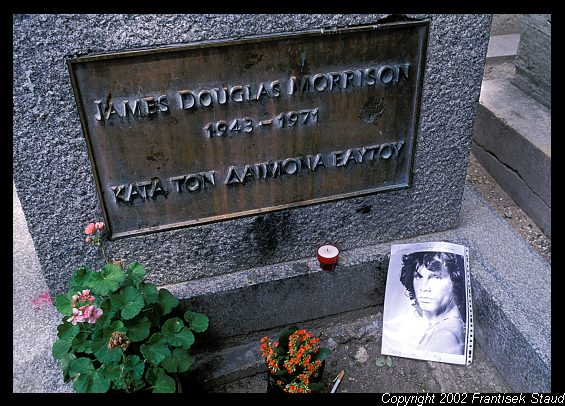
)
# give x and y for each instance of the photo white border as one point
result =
(394, 304)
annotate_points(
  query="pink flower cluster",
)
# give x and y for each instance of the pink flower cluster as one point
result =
(86, 311)
(92, 230)
(85, 296)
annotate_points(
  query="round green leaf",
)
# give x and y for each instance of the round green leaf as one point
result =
(112, 373)
(109, 309)
(66, 332)
(67, 329)
(197, 321)
(107, 280)
(115, 326)
(152, 374)
(91, 381)
(184, 338)
(179, 361)
(63, 303)
(136, 272)
(81, 365)
(61, 347)
(66, 365)
(135, 366)
(167, 301)
(138, 328)
(100, 340)
(156, 349)
(165, 384)
(79, 280)
(177, 334)
(132, 302)
(149, 292)
(103, 353)
(81, 343)
(172, 326)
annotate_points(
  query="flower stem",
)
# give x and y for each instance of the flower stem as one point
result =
(106, 258)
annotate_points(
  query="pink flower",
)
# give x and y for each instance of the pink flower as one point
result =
(85, 296)
(99, 226)
(77, 317)
(95, 314)
(90, 313)
(85, 313)
(86, 310)
(90, 229)
(88, 239)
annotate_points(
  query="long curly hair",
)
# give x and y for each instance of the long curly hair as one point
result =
(434, 261)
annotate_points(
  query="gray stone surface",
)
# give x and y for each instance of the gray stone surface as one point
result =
(503, 47)
(533, 61)
(506, 24)
(242, 302)
(34, 329)
(55, 181)
(513, 142)
(512, 297)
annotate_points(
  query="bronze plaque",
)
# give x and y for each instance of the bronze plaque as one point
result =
(184, 135)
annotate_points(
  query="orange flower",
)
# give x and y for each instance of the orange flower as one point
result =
(90, 229)
(297, 361)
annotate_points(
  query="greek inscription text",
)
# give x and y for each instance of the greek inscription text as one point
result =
(142, 190)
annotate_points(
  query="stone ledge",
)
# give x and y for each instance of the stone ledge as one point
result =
(503, 47)
(512, 140)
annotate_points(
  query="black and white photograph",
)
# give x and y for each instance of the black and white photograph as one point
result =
(428, 306)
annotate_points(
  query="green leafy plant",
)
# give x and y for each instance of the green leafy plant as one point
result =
(121, 333)
(382, 361)
(294, 362)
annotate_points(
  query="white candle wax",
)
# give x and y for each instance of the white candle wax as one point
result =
(328, 251)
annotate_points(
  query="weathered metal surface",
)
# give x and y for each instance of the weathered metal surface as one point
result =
(179, 136)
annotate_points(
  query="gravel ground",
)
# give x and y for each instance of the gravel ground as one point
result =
(509, 210)
(355, 341)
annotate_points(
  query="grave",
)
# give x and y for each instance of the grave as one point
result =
(224, 151)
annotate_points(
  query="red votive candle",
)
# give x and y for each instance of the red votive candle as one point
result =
(327, 256)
